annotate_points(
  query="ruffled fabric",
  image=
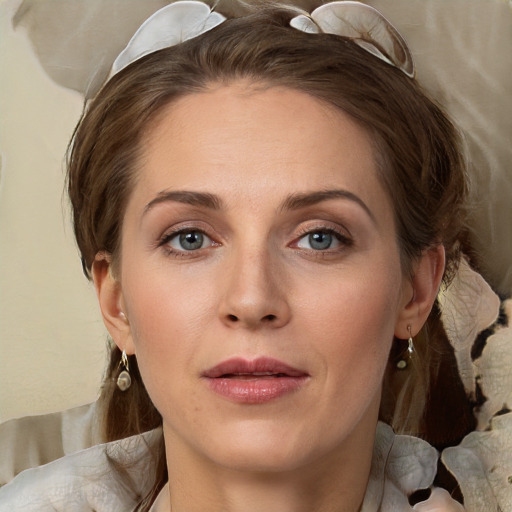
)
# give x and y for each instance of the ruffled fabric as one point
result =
(478, 327)
(173, 25)
(468, 306)
(482, 464)
(36, 440)
(366, 26)
(105, 478)
(439, 501)
(112, 477)
(400, 466)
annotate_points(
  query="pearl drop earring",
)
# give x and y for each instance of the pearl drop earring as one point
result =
(124, 381)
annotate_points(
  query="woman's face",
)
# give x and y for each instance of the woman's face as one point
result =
(260, 276)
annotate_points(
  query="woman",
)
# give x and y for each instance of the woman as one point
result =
(267, 210)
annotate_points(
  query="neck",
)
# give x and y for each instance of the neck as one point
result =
(335, 483)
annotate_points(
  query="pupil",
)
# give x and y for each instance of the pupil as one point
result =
(320, 240)
(192, 240)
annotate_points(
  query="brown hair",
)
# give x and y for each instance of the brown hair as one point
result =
(417, 147)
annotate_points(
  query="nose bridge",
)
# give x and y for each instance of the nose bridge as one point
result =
(254, 294)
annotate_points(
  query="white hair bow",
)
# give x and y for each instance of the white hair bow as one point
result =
(169, 26)
(364, 25)
(183, 20)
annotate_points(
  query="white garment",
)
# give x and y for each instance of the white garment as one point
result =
(88, 480)
(439, 501)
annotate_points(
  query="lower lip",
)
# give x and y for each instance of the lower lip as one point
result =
(258, 390)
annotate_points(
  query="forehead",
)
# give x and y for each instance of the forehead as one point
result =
(256, 142)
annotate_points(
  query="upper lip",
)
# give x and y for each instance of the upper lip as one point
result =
(262, 366)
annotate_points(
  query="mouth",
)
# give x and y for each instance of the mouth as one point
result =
(253, 376)
(254, 382)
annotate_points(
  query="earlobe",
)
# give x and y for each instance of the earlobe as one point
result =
(110, 298)
(425, 283)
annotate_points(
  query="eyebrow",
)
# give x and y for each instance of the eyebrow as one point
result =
(292, 202)
(303, 200)
(202, 199)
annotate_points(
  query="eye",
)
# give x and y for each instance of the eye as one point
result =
(322, 240)
(190, 240)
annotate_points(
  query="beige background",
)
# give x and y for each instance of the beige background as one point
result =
(52, 344)
(52, 341)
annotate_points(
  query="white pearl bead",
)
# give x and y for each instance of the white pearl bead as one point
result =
(124, 381)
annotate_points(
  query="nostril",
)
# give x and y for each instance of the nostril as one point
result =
(269, 318)
(232, 318)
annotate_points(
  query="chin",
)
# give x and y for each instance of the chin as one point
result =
(256, 447)
(254, 459)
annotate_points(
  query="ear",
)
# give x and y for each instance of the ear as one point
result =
(420, 292)
(110, 297)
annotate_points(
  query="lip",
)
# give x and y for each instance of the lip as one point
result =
(254, 382)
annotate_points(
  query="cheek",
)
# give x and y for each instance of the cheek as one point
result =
(355, 302)
(164, 301)
(160, 316)
(353, 322)
(169, 315)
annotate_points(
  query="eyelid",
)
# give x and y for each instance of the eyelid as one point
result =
(184, 226)
(323, 225)
(342, 235)
(175, 231)
(171, 237)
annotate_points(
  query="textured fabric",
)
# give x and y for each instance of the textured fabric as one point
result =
(439, 501)
(482, 464)
(36, 440)
(105, 478)
(112, 478)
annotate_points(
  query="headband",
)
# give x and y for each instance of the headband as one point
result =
(183, 20)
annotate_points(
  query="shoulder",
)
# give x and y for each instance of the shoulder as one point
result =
(101, 479)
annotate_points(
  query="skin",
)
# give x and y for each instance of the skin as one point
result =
(257, 287)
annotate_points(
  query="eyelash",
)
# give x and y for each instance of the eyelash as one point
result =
(167, 237)
(342, 238)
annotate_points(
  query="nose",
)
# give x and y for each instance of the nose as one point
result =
(254, 292)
